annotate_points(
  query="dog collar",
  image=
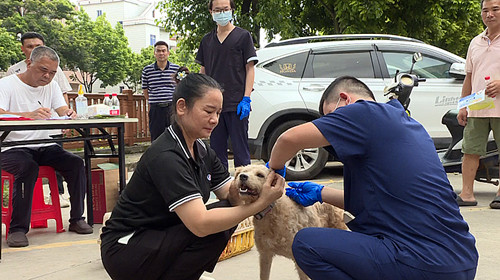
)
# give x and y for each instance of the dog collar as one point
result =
(264, 212)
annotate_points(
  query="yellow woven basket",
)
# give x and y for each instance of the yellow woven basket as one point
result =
(241, 241)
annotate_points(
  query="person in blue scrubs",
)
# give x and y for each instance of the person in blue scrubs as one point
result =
(407, 224)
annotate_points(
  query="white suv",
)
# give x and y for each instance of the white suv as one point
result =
(291, 76)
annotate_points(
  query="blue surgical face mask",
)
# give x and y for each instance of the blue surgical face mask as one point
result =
(223, 18)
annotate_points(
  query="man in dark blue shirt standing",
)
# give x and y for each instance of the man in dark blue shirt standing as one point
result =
(407, 224)
(158, 86)
(227, 54)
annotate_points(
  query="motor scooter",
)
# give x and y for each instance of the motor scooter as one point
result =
(403, 84)
(452, 156)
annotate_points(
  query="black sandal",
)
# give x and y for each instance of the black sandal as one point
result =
(495, 204)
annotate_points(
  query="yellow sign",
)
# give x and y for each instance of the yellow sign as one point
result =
(288, 68)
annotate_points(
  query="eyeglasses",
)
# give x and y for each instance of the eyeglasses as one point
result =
(219, 11)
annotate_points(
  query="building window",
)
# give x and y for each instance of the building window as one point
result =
(152, 39)
(99, 13)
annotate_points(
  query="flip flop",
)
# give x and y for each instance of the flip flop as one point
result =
(495, 204)
(461, 202)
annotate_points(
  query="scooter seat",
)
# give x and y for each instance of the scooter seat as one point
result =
(450, 118)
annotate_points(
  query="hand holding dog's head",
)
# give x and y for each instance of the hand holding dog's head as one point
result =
(273, 188)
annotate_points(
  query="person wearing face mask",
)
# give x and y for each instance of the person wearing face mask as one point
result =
(406, 222)
(227, 54)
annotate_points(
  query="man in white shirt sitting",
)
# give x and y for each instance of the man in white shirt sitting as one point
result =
(33, 94)
(29, 41)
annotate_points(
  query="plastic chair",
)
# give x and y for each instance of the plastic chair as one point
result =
(40, 212)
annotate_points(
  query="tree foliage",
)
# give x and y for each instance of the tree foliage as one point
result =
(135, 64)
(95, 50)
(449, 24)
(10, 49)
(43, 16)
(184, 57)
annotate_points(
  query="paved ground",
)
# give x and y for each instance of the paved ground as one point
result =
(71, 256)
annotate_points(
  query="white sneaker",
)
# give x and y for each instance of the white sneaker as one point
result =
(203, 277)
(64, 202)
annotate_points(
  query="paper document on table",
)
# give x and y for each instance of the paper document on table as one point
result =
(60, 118)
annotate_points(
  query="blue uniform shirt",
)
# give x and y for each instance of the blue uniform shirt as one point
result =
(396, 187)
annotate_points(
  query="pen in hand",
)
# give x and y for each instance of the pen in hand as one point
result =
(45, 112)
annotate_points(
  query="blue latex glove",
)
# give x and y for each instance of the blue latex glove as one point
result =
(244, 107)
(305, 193)
(281, 171)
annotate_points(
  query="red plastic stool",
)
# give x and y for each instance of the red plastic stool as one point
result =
(40, 212)
(7, 181)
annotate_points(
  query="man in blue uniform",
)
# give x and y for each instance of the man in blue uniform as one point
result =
(227, 54)
(407, 224)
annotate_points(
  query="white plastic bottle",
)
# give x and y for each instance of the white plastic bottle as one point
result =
(115, 105)
(107, 100)
(81, 104)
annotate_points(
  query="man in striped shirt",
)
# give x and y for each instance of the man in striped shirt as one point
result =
(158, 85)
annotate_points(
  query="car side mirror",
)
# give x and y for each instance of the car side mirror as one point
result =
(457, 70)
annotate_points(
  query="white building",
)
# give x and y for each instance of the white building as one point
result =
(137, 17)
(138, 20)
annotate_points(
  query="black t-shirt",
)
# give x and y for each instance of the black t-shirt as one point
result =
(226, 63)
(166, 177)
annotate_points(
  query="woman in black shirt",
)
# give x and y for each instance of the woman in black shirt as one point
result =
(161, 227)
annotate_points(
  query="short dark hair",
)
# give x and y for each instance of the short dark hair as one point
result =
(193, 87)
(348, 84)
(231, 2)
(32, 35)
(161, 43)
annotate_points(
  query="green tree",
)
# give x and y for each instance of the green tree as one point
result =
(184, 57)
(136, 62)
(10, 49)
(43, 16)
(449, 24)
(95, 50)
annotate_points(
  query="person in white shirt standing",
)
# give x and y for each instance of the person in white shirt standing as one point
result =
(29, 41)
(33, 94)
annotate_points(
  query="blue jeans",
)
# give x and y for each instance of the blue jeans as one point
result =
(324, 253)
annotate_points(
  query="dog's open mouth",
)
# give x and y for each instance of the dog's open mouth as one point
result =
(245, 190)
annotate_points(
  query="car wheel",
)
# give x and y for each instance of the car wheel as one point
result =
(307, 163)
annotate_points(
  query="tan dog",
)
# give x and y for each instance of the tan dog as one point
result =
(277, 226)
